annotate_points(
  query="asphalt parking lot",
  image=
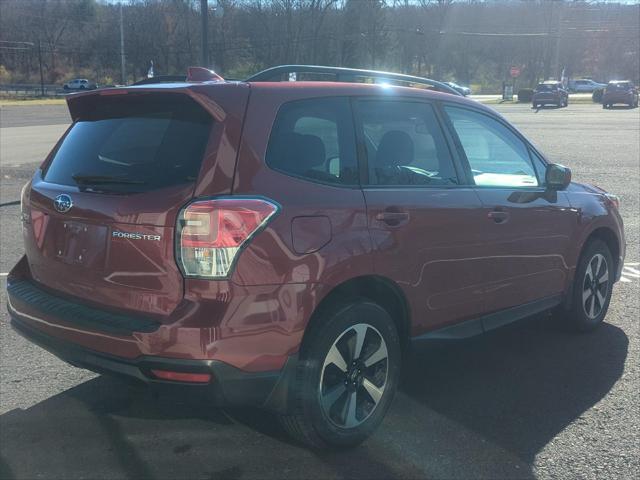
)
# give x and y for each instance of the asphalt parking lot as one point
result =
(528, 401)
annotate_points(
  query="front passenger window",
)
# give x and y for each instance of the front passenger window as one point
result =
(497, 157)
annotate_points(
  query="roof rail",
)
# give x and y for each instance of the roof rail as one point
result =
(349, 75)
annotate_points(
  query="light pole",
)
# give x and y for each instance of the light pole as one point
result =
(556, 63)
(204, 13)
(40, 66)
(123, 73)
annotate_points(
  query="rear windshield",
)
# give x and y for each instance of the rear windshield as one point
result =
(546, 87)
(619, 86)
(133, 143)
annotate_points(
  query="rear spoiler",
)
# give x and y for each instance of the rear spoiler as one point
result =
(81, 103)
(194, 74)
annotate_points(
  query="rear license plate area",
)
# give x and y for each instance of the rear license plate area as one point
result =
(80, 244)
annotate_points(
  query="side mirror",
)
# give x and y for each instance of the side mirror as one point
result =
(557, 177)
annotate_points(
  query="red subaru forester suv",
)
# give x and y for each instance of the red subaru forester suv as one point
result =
(280, 243)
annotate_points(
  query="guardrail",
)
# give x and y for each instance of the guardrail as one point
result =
(32, 90)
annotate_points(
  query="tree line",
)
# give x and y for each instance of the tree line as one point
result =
(469, 41)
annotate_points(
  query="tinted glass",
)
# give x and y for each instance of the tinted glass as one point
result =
(497, 157)
(147, 142)
(619, 86)
(540, 167)
(314, 139)
(405, 145)
(544, 87)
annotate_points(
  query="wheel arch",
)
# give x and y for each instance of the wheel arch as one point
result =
(608, 236)
(379, 290)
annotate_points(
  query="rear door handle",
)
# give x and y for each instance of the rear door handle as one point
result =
(498, 216)
(393, 219)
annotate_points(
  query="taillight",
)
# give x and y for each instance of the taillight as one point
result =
(25, 208)
(211, 233)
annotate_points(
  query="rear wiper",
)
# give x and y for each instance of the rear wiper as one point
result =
(104, 179)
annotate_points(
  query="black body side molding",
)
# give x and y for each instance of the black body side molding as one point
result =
(491, 321)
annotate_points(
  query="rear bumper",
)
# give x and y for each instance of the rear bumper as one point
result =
(26, 293)
(250, 359)
(228, 385)
(545, 99)
(251, 328)
(618, 98)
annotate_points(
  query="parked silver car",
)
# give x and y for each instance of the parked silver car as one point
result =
(79, 84)
(585, 85)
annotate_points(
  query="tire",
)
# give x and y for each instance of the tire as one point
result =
(604, 106)
(329, 382)
(590, 302)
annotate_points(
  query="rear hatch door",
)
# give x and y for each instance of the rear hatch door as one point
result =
(101, 212)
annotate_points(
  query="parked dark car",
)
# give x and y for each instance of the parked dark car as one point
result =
(620, 92)
(459, 88)
(282, 244)
(550, 93)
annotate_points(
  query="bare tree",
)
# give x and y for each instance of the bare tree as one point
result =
(468, 40)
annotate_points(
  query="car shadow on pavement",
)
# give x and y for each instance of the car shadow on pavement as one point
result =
(480, 408)
(520, 386)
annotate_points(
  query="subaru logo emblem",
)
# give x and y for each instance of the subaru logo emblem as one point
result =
(63, 203)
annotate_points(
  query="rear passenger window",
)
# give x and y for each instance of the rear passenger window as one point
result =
(404, 143)
(314, 139)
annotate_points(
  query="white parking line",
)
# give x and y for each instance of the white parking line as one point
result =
(630, 272)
